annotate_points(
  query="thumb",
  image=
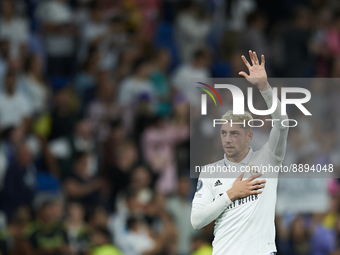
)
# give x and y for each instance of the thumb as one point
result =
(244, 74)
(240, 177)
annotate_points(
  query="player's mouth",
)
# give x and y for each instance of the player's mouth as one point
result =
(228, 148)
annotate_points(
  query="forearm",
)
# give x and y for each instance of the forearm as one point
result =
(278, 135)
(202, 215)
(79, 190)
(264, 86)
(268, 98)
(87, 189)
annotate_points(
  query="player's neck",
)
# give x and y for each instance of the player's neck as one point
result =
(240, 156)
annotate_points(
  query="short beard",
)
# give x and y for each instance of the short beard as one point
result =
(232, 155)
(235, 154)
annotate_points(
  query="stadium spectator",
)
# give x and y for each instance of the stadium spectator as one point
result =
(254, 36)
(140, 182)
(138, 238)
(180, 209)
(59, 32)
(4, 57)
(86, 79)
(123, 159)
(33, 85)
(47, 235)
(200, 246)
(161, 83)
(62, 117)
(114, 43)
(13, 29)
(20, 181)
(77, 230)
(94, 30)
(197, 68)
(16, 242)
(158, 144)
(103, 109)
(15, 109)
(97, 217)
(100, 239)
(138, 85)
(296, 42)
(80, 141)
(81, 186)
(192, 29)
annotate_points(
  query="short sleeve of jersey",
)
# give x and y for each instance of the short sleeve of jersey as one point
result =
(204, 194)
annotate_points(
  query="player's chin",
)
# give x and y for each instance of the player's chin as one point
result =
(229, 154)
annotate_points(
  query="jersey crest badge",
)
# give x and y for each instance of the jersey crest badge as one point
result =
(254, 170)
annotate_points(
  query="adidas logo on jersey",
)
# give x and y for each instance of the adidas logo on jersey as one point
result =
(217, 183)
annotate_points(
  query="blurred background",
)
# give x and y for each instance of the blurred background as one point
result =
(94, 119)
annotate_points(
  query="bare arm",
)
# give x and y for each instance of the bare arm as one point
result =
(76, 189)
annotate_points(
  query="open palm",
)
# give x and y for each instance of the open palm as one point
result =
(257, 72)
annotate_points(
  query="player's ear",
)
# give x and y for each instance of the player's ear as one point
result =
(250, 136)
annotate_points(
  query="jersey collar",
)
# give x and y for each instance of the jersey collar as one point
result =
(244, 161)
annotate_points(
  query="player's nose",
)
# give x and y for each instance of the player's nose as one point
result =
(227, 138)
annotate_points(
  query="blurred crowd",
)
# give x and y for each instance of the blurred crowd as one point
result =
(95, 114)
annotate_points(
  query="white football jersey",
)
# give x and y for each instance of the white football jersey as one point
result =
(246, 226)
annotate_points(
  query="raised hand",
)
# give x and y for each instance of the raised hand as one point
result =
(257, 72)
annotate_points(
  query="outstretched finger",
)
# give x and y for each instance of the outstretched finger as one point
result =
(262, 60)
(251, 57)
(255, 58)
(244, 74)
(245, 61)
(240, 177)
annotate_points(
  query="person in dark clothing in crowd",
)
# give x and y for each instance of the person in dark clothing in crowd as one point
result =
(20, 181)
(47, 235)
(80, 186)
(295, 44)
(63, 116)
